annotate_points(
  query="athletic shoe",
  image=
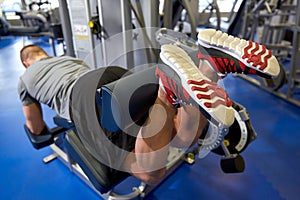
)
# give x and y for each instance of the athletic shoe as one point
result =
(227, 54)
(185, 84)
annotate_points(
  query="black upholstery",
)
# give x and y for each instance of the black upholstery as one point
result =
(101, 176)
(45, 138)
(127, 101)
(39, 141)
(120, 94)
(81, 143)
(63, 122)
(133, 93)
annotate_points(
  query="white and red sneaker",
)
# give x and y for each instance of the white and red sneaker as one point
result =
(228, 54)
(184, 84)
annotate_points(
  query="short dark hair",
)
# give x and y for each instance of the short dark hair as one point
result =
(30, 51)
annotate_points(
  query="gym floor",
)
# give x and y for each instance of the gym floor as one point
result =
(272, 161)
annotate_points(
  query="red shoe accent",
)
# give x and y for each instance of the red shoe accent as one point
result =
(167, 81)
(184, 84)
(256, 58)
(228, 54)
(226, 65)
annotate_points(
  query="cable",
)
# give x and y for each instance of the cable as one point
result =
(142, 24)
(189, 10)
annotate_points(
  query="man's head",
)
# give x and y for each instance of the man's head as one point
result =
(31, 53)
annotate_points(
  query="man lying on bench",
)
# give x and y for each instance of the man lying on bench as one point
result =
(186, 100)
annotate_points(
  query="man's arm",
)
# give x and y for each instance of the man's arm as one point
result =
(34, 117)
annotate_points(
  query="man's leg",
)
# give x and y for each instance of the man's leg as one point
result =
(166, 126)
(185, 88)
(185, 84)
(148, 161)
(188, 125)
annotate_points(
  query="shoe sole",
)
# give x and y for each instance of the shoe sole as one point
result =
(252, 54)
(185, 70)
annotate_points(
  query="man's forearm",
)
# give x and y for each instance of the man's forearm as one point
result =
(34, 118)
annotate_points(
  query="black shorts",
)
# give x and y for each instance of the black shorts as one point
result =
(107, 147)
(135, 94)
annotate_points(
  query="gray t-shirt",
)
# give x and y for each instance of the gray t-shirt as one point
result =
(50, 81)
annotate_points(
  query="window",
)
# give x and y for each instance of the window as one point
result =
(11, 5)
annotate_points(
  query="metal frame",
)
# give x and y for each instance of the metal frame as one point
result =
(66, 27)
(273, 42)
(118, 47)
(83, 42)
(175, 159)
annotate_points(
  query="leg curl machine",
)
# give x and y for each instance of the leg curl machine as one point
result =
(116, 100)
(112, 93)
